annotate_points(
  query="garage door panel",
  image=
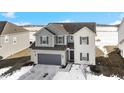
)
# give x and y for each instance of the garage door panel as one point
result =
(52, 59)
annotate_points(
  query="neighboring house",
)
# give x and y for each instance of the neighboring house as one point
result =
(121, 38)
(60, 43)
(107, 35)
(32, 30)
(12, 39)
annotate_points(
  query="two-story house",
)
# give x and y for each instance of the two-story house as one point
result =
(60, 43)
(12, 39)
(121, 38)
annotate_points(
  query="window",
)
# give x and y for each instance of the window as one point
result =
(14, 40)
(84, 40)
(84, 56)
(70, 39)
(60, 39)
(6, 39)
(44, 40)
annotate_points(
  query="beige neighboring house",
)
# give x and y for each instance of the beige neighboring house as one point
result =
(12, 39)
(121, 38)
(60, 43)
(107, 35)
(32, 30)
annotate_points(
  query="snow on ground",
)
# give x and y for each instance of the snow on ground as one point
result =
(17, 73)
(4, 70)
(74, 74)
(40, 72)
(77, 72)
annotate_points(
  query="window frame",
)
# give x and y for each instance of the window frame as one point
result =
(84, 40)
(14, 40)
(84, 58)
(44, 40)
(60, 41)
(6, 39)
(70, 39)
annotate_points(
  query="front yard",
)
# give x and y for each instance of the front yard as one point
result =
(113, 65)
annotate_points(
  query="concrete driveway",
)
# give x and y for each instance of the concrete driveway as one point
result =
(41, 72)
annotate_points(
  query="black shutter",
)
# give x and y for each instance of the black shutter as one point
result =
(63, 40)
(80, 56)
(47, 40)
(80, 40)
(56, 39)
(87, 56)
(40, 40)
(87, 40)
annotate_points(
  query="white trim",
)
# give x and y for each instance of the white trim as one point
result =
(60, 36)
(14, 40)
(6, 39)
(42, 40)
(14, 33)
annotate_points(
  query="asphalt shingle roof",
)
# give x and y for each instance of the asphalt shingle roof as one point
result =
(71, 28)
(9, 28)
(2, 25)
(56, 47)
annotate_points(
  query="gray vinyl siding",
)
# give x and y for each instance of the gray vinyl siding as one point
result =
(44, 33)
(8, 48)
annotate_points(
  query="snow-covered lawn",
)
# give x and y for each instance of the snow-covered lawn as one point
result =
(77, 72)
(4, 70)
(15, 74)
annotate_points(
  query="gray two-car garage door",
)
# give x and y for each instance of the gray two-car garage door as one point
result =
(52, 59)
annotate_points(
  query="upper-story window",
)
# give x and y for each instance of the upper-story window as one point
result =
(44, 40)
(70, 39)
(84, 56)
(14, 40)
(6, 39)
(59, 39)
(84, 40)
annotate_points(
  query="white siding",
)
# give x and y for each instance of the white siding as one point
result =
(34, 55)
(121, 37)
(9, 48)
(107, 35)
(90, 48)
(44, 33)
(31, 36)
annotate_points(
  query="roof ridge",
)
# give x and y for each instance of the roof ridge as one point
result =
(49, 30)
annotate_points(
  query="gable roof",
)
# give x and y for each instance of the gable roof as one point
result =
(2, 25)
(71, 28)
(9, 28)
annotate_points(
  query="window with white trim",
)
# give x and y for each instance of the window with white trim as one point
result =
(84, 40)
(60, 40)
(44, 40)
(6, 39)
(84, 56)
(70, 39)
(14, 40)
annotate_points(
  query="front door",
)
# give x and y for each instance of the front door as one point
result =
(71, 55)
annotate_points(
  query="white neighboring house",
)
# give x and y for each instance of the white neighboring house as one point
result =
(106, 35)
(32, 30)
(121, 38)
(12, 39)
(60, 43)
